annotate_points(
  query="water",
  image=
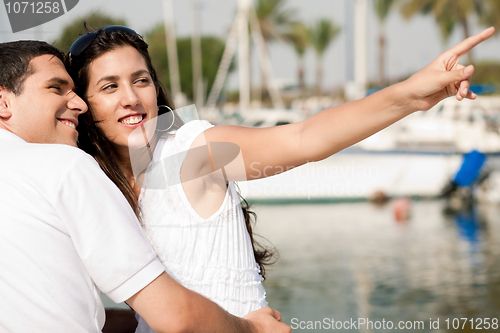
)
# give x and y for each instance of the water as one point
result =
(350, 261)
(353, 260)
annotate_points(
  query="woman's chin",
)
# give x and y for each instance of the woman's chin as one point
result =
(142, 136)
(140, 139)
(137, 143)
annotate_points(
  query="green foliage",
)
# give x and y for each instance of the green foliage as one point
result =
(298, 36)
(383, 8)
(74, 30)
(274, 18)
(487, 72)
(446, 12)
(414, 7)
(491, 14)
(212, 49)
(321, 34)
(446, 25)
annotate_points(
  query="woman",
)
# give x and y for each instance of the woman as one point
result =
(196, 222)
(118, 59)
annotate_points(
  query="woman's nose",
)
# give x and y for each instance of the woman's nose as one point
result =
(129, 97)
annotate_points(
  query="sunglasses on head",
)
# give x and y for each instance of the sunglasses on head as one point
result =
(84, 41)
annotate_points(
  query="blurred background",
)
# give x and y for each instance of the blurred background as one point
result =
(403, 226)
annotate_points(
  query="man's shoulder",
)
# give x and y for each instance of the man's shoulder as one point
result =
(53, 156)
(59, 153)
(58, 150)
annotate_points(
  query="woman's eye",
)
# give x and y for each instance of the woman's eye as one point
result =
(143, 80)
(109, 87)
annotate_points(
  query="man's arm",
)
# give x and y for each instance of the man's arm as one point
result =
(102, 226)
(167, 306)
(121, 262)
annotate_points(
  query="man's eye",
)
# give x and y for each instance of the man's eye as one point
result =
(58, 88)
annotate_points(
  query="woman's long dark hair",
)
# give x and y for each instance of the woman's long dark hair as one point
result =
(91, 139)
(95, 143)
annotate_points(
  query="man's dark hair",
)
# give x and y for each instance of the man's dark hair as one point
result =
(15, 60)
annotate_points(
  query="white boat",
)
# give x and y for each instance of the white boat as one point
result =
(358, 176)
(415, 157)
(449, 127)
(271, 117)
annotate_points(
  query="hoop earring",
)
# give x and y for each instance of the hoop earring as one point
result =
(173, 118)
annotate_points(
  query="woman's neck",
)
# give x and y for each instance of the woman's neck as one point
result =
(133, 163)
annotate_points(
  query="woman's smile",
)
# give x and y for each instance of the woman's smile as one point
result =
(133, 120)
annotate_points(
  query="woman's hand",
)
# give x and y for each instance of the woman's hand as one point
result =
(267, 320)
(444, 76)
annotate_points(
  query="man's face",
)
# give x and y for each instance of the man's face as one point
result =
(47, 110)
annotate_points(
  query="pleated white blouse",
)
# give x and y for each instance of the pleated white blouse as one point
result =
(212, 256)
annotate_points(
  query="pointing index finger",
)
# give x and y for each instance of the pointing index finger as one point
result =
(467, 45)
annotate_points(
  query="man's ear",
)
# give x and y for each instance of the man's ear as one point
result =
(5, 111)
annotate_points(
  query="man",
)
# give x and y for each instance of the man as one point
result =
(67, 232)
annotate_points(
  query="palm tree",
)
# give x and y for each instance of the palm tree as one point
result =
(446, 25)
(491, 14)
(382, 9)
(446, 13)
(274, 19)
(321, 34)
(299, 37)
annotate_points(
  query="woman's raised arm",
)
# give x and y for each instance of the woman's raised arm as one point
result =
(268, 151)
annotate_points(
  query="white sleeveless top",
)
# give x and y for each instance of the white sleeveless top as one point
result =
(213, 256)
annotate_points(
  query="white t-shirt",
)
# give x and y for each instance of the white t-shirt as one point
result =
(66, 233)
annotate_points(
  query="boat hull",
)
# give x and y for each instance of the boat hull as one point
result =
(358, 176)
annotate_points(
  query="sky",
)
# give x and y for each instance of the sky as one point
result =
(411, 44)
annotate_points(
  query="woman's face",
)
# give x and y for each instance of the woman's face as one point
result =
(122, 97)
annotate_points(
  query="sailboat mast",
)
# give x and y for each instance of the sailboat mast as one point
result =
(265, 61)
(227, 57)
(238, 37)
(360, 75)
(173, 62)
(243, 56)
(196, 52)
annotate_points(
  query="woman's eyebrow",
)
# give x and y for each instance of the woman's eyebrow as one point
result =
(140, 72)
(108, 78)
(116, 77)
